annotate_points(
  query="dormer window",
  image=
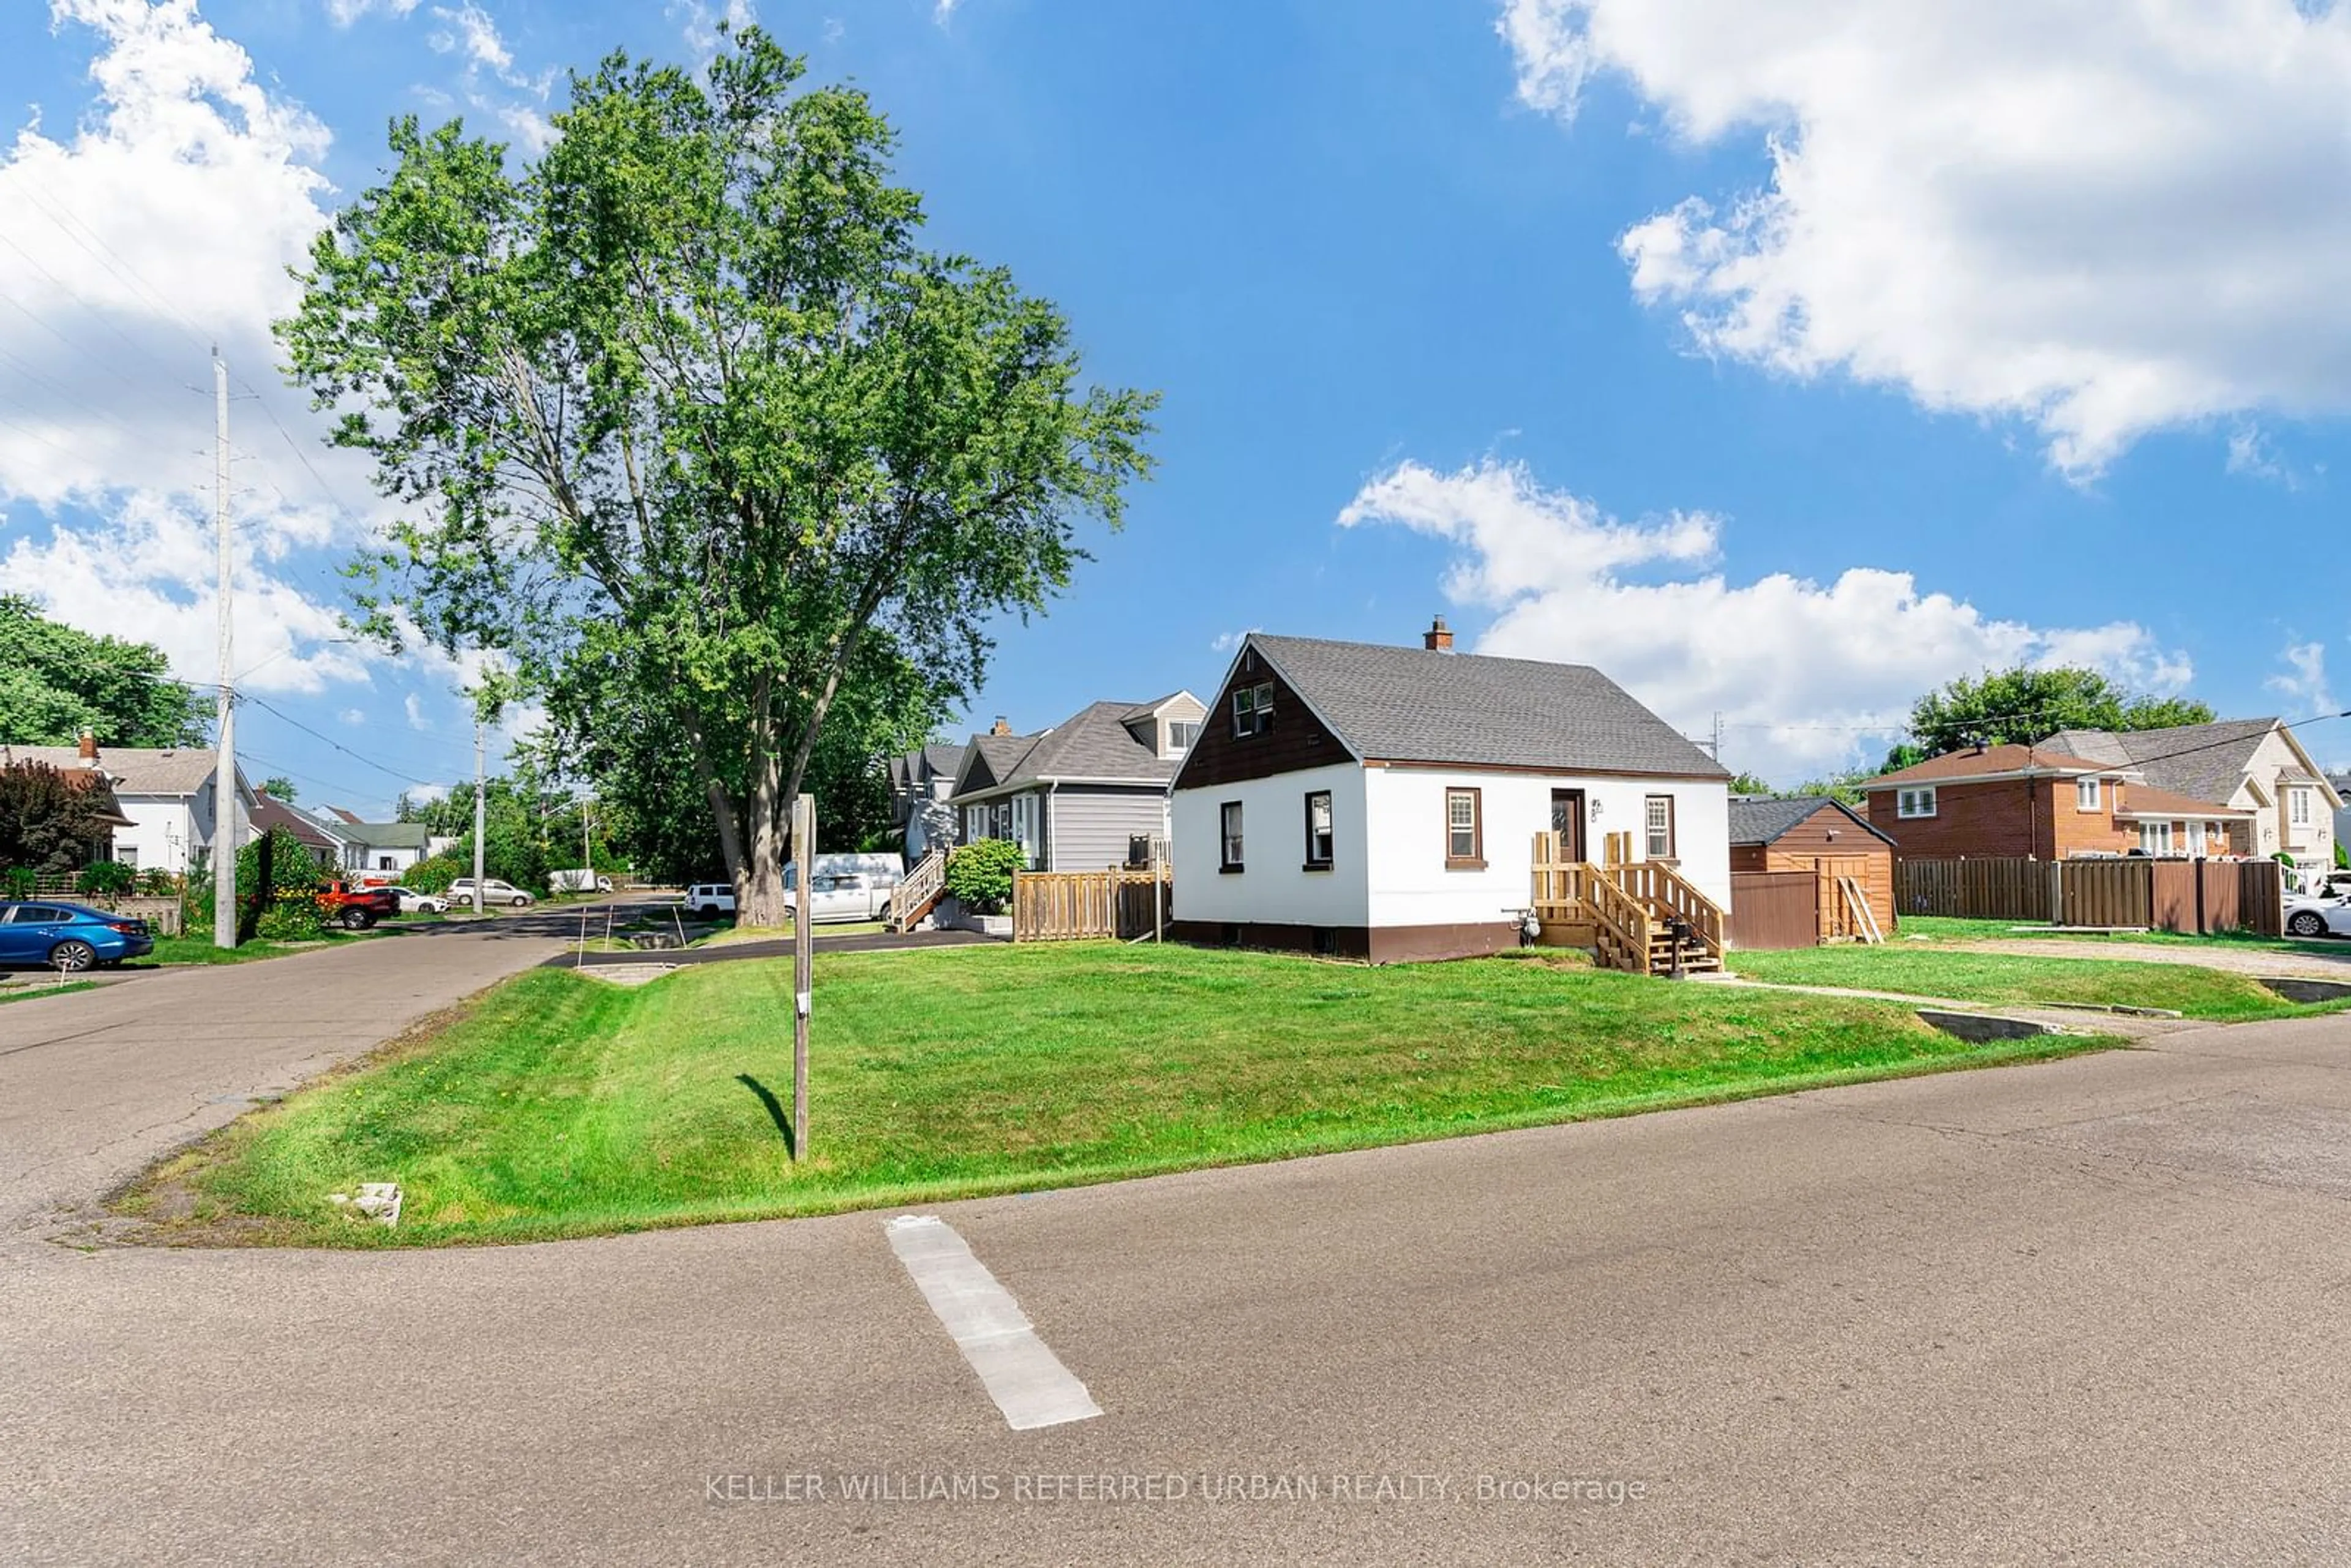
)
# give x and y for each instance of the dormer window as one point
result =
(1253, 709)
(1181, 734)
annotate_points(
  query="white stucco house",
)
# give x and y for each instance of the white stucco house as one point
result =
(1381, 802)
(166, 793)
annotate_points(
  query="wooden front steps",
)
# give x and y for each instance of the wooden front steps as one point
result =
(919, 891)
(1629, 913)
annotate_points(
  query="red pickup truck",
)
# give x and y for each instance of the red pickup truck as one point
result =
(356, 908)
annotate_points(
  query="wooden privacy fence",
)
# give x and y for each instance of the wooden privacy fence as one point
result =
(2183, 895)
(1071, 905)
(1774, 909)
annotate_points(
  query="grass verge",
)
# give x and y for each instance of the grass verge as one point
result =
(1946, 929)
(20, 991)
(2016, 979)
(171, 950)
(559, 1105)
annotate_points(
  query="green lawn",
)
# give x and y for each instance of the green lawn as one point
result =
(1941, 928)
(1960, 975)
(558, 1104)
(13, 990)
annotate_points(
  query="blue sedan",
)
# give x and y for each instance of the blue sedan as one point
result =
(69, 937)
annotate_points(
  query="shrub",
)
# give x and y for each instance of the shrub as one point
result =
(158, 883)
(979, 874)
(292, 916)
(17, 882)
(105, 879)
(435, 874)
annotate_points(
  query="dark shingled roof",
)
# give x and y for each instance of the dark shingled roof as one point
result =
(2201, 761)
(1766, 821)
(1410, 705)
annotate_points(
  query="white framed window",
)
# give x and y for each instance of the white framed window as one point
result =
(1024, 827)
(127, 853)
(1918, 801)
(1229, 819)
(2155, 838)
(2085, 794)
(1318, 829)
(1657, 818)
(1465, 829)
(1181, 734)
(2297, 804)
(1253, 709)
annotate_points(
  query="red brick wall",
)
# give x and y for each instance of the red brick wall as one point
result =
(2034, 817)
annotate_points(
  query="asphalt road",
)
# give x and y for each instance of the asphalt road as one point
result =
(2087, 1311)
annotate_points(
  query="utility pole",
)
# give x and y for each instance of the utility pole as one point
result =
(803, 960)
(480, 815)
(225, 759)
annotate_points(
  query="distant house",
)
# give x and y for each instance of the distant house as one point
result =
(1382, 802)
(273, 815)
(1077, 796)
(164, 794)
(2036, 802)
(2253, 766)
(916, 780)
(1821, 836)
(383, 846)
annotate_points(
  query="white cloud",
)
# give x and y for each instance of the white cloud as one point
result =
(2304, 678)
(2253, 454)
(698, 21)
(944, 11)
(468, 31)
(2101, 219)
(165, 222)
(352, 716)
(1805, 672)
(343, 13)
(415, 711)
(425, 794)
(1226, 642)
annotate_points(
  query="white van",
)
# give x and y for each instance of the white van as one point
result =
(882, 870)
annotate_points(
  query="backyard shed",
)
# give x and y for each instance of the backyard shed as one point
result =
(1799, 867)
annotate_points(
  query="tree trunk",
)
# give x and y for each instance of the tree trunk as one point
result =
(722, 808)
(759, 889)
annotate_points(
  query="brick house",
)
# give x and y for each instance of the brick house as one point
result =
(2030, 801)
(2253, 766)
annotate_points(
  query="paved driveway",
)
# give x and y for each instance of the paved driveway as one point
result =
(94, 1085)
(2091, 1311)
(2314, 963)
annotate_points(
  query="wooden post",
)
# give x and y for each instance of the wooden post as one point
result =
(803, 962)
(1156, 887)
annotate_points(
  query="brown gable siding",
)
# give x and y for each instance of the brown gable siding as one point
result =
(1297, 741)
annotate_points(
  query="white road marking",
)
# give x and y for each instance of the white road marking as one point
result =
(1026, 1381)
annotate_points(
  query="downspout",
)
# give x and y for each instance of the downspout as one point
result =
(1045, 828)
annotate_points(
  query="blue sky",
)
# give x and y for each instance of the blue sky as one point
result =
(1782, 366)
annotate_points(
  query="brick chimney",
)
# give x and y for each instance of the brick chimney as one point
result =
(1437, 639)
(89, 750)
(1001, 727)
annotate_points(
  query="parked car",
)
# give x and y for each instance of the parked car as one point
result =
(414, 902)
(356, 908)
(461, 893)
(2318, 914)
(69, 937)
(709, 900)
(844, 895)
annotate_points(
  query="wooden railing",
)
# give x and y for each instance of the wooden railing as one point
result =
(1623, 924)
(1668, 892)
(918, 889)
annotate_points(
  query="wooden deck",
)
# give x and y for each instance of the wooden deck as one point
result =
(1640, 916)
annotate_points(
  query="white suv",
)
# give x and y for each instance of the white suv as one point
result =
(461, 893)
(709, 900)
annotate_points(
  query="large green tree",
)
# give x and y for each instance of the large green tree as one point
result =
(689, 395)
(2003, 708)
(57, 681)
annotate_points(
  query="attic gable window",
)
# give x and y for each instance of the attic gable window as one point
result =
(1252, 709)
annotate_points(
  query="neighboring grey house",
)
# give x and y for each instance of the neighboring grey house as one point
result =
(2248, 764)
(1075, 796)
(916, 780)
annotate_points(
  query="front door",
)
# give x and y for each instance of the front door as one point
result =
(1567, 821)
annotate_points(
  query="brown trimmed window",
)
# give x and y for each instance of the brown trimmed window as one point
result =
(1659, 816)
(1229, 819)
(1465, 830)
(1318, 831)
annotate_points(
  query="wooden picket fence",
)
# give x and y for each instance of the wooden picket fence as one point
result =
(1075, 905)
(2183, 895)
